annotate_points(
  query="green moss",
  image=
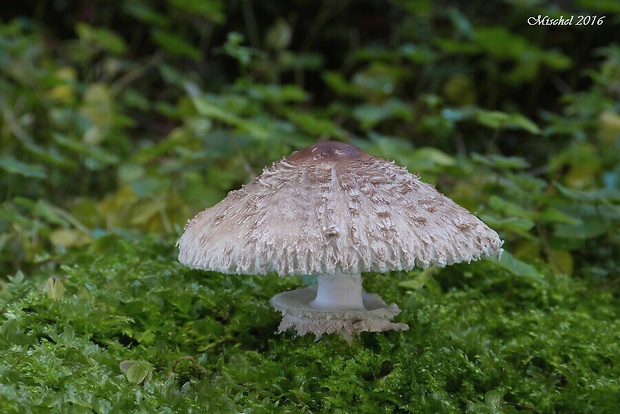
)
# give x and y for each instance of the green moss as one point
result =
(211, 344)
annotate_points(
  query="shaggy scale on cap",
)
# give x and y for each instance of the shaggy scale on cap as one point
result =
(334, 207)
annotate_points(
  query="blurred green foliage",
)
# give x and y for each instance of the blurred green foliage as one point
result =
(120, 120)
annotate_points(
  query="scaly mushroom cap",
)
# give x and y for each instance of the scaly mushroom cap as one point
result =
(334, 207)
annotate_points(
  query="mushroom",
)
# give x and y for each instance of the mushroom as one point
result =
(334, 211)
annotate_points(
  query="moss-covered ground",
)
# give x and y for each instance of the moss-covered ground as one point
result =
(481, 339)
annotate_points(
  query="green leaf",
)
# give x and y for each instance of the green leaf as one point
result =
(518, 268)
(300, 61)
(518, 225)
(50, 156)
(176, 45)
(67, 237)
(588, 228)
(98, 106)
(369, 115)
(554, 215)
(54, 288)
(557, 60)
(101, 37)
(205, 107)
(561, 260)
(12, 332)
(243, 54)
(379, 80)
(501, 162)
(601, 195)
(501, 43)
(520, 121)
(418, 54)
(49, 213)
(147, 211)
(509, 208)
(97, 154)
(278, 36)
(420, 280)
(145, 13)
(136, 371)
(494, 399)
(424, 159)
(25, 202)
(499, 120)
(337, 82)
(314, 125)
(12, 166)
(276, 93)
(211, 9)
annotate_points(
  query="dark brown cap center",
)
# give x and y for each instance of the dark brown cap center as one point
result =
(327, 151)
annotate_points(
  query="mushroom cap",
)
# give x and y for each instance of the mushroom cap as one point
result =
(333, 207)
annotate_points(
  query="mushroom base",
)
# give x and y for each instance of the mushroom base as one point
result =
(299, 314)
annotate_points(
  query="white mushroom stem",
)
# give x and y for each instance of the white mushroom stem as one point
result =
(339, 292)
